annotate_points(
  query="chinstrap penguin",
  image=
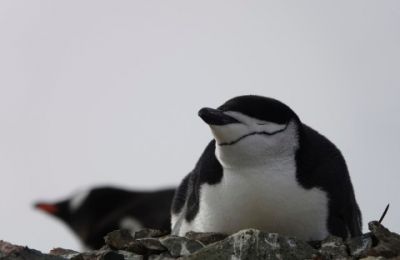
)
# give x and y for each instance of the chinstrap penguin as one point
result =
(93, 213)
(265, 169)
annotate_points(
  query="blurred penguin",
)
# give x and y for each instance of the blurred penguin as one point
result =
(93, 213)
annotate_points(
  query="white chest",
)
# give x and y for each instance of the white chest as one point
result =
(267, 198)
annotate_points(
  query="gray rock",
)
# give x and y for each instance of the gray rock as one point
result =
(206, 238)
(152, 245)
(375, 258)
(291, 248)
(13, 252)
(333, 248)
(254, 244)
(162, 256)
(65, 253)
(359, 246)
(144, 233)
(110, 255)
(180, 246)
(380, 243)
(119, 239)
(315, 244)
(99, 255)
(123, 240)
(130, 256)
(387, 243)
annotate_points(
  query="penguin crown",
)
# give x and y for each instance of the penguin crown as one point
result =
(263, 108)
(256, 107)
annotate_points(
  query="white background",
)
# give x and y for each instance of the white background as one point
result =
(99, 92)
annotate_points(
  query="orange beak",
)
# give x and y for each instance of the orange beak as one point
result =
(46, 207)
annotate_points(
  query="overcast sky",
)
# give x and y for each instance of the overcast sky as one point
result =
(100, 92)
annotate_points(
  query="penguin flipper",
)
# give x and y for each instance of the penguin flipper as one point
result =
(346, 222)
(178, 205)
(355, 221)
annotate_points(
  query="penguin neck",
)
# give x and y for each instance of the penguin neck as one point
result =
(269, 164)
(280, 170)
(238, 161)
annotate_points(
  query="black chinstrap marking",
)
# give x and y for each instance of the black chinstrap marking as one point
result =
(253, 133)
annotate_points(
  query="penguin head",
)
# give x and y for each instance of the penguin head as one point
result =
(85, 210)
(71, 211)
(249, 130)
(67, 209)
(60, 210)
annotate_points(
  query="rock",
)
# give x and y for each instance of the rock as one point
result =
(387, 244)
(315, 244)
(250, 244)
(144, 233)
(119, 239)
(110, 255)
(65, 253)
(359, 246)
(99, 255)
(130, 256)
(333, 247)
(254, 244)
(136, 247)
(152, 245)
(206, 238)
(180, 246)
(123, 240)
(375, 258)
(291, 248)
(13, 252)
(162, 256)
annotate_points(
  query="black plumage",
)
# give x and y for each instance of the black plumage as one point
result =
(105, 207)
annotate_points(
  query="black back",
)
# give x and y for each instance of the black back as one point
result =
(321, 164)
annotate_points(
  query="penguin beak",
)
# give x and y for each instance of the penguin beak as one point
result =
(216, 117)
(46, 207)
